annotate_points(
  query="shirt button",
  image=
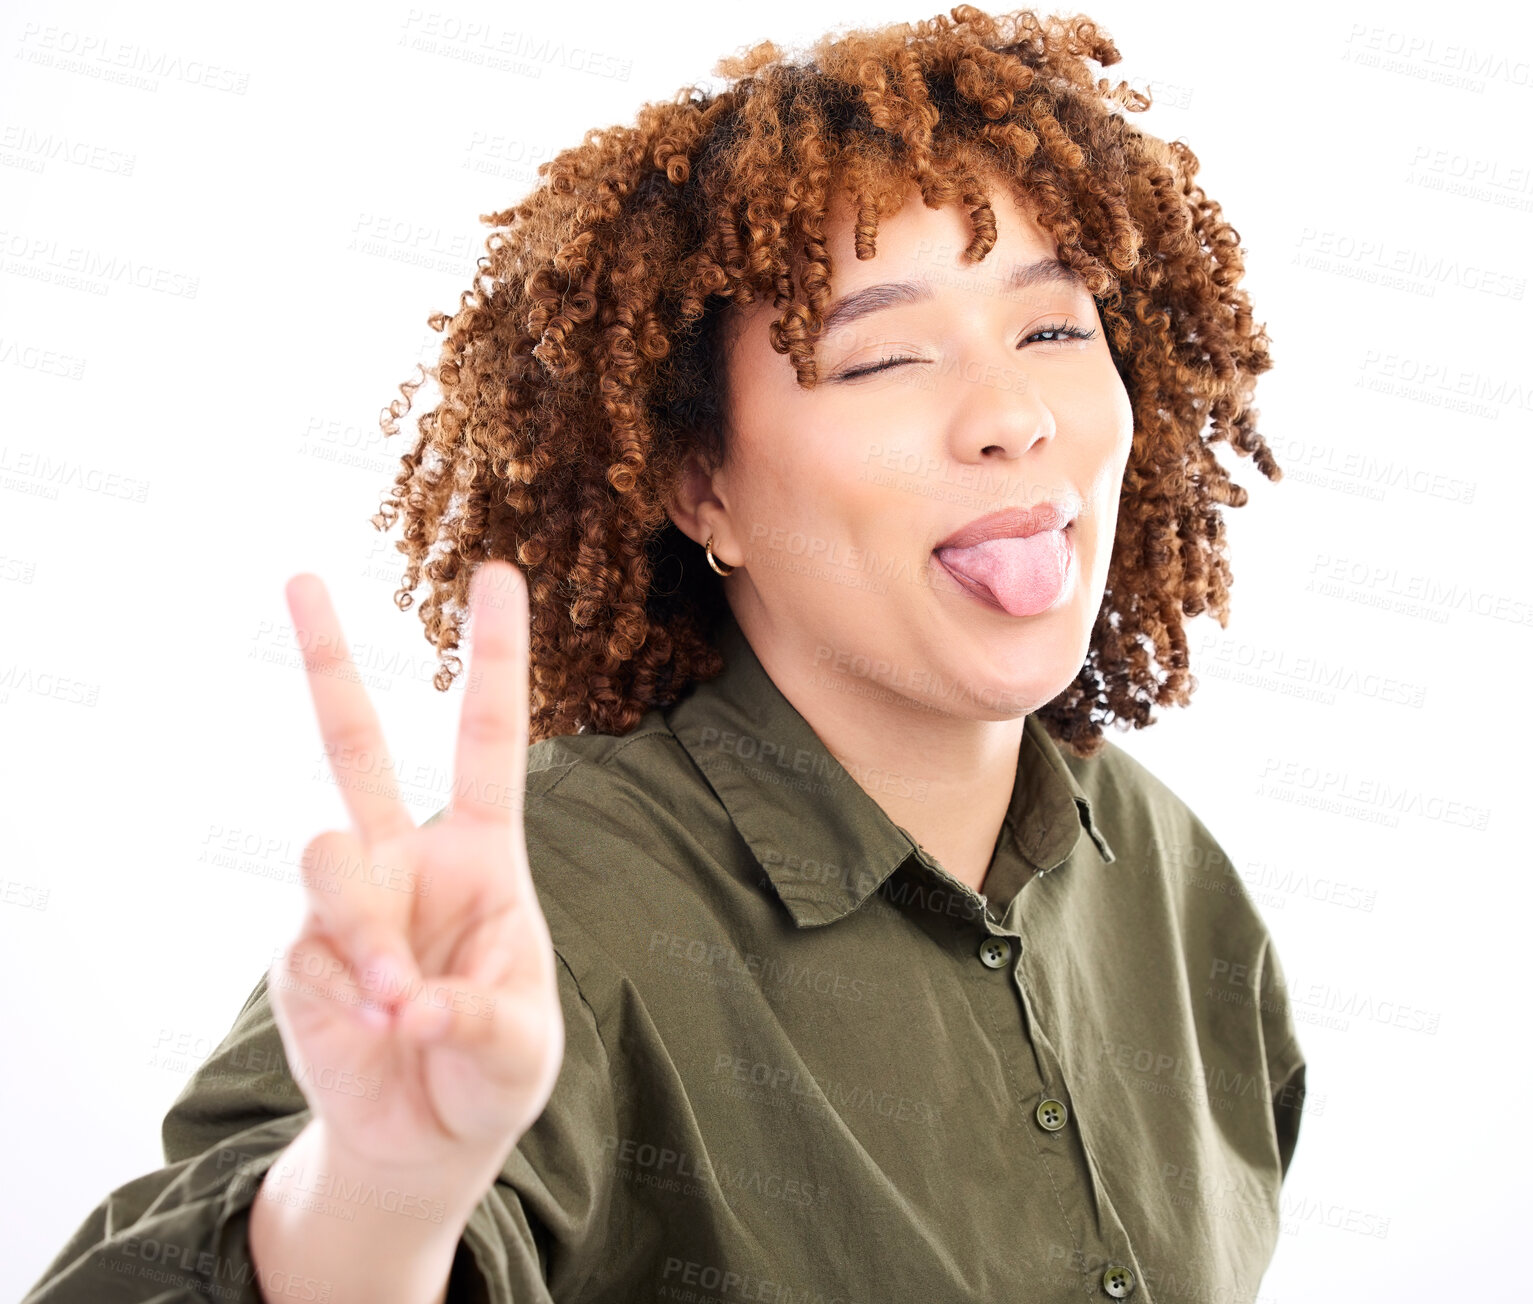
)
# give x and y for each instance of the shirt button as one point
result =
(1118, 1282)
(995, 952)
(1052, 1115)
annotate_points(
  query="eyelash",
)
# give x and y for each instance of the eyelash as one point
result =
(1069, 332)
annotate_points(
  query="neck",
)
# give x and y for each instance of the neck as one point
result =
(944, 779)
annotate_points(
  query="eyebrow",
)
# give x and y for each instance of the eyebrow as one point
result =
(875, 298)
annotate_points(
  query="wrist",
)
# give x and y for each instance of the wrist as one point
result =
(421, 1201)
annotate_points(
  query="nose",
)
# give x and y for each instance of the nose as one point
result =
(1000, 412)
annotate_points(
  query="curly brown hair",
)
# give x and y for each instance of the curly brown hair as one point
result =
(587, 360)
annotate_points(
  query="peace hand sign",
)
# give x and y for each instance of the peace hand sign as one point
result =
(419, 1006)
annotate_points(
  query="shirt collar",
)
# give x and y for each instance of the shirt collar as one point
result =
(825, 843)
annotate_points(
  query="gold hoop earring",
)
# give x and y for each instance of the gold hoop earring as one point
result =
(718, 567)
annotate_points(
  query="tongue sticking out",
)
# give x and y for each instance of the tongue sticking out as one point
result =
(1025, 576)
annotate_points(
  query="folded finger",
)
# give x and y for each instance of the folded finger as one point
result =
(310, 978)
(454, 1011)
(361, 897)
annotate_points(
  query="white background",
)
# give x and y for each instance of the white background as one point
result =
(169, 459)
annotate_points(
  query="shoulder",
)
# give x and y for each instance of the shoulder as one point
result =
(1116, 780)
(583, 786)
(627, 843)
(644, 754)
(1163, 845)
(641, 788)
(1172, 872)
(1140, 814)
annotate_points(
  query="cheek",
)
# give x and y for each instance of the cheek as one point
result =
(1124, 412)
(1107, 423)
(797, 481)
(1111, 419)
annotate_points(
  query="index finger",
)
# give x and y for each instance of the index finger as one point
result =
(347, 722)
(490, 765)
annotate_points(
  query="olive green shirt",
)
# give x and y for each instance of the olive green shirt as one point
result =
(805, 1065)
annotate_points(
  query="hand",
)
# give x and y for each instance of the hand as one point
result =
(419, 1006)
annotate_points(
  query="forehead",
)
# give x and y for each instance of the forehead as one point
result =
(935, 237)
(924, 243)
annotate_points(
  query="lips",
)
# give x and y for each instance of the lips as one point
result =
(1012, 522)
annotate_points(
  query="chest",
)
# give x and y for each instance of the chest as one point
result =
(923, 1094)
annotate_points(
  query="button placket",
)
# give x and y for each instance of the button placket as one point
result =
(1052, 1115)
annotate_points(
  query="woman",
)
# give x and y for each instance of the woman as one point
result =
(796, 959)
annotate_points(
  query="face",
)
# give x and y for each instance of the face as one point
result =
(934, 407)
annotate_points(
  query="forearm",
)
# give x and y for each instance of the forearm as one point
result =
(372, 1234)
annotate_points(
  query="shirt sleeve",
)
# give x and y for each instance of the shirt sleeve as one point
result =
(1285, 1057)
(180, 1233)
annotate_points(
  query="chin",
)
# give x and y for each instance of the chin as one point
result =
(1002, 698)
(1041, 680)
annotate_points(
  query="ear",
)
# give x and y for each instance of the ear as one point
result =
(698, 510)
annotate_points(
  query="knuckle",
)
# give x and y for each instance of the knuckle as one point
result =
(487, 723)
(325, 856)
(349, 741)
(324, 843)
